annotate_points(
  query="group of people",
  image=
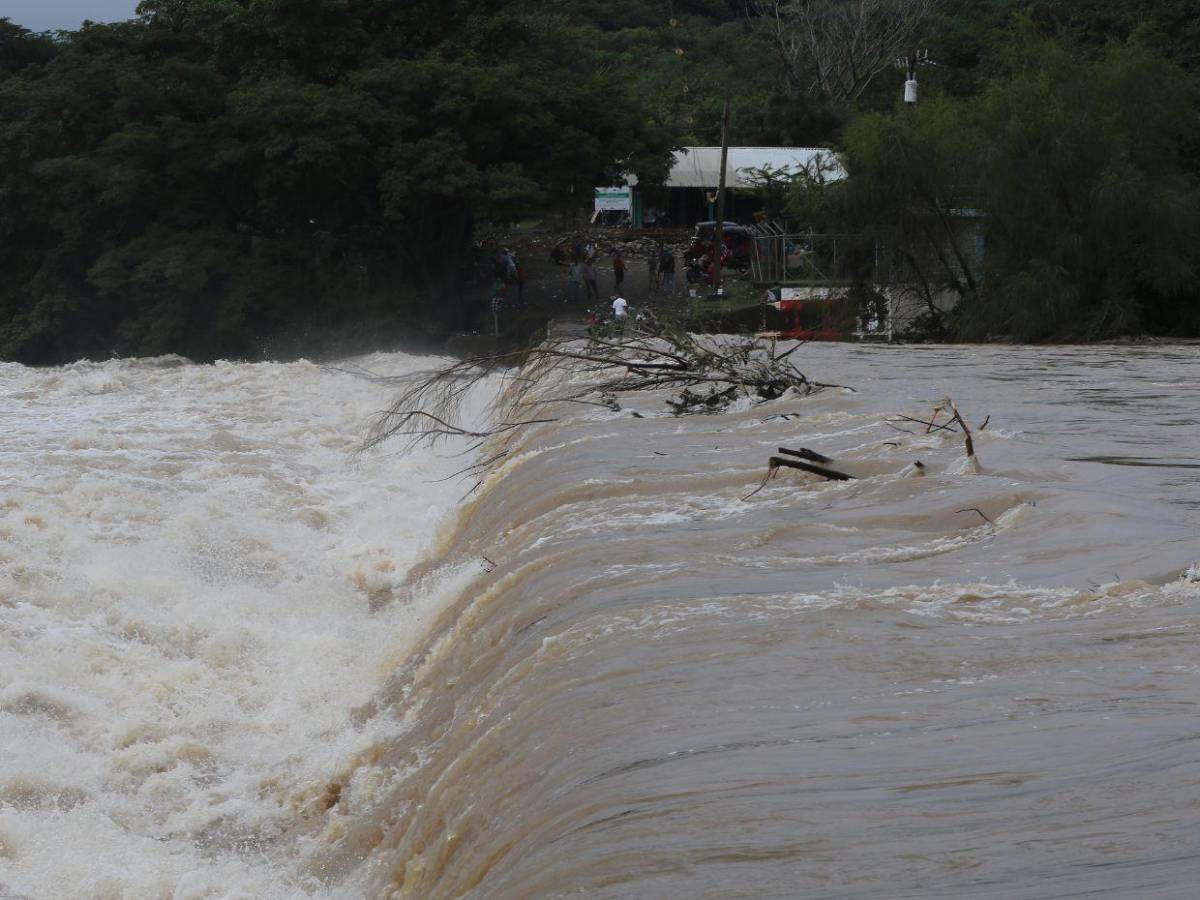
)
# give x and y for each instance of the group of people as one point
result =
(583, 278)
(507, 270)
(704, 267)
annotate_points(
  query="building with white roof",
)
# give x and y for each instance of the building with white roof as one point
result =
(689, 193)
(700, 167)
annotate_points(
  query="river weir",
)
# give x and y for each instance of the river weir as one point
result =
(243, 659)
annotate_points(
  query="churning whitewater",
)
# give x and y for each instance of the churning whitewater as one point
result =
(241, 659)
(188, 561)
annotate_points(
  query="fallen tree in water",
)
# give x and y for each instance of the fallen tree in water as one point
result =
(813, 463)
(704, 375)
(956, 419)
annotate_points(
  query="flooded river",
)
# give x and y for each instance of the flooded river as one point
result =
(240, 660)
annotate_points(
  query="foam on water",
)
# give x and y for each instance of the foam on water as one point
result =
(223, 675)
(195, 566)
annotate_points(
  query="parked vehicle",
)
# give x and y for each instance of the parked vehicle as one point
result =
(738, 240)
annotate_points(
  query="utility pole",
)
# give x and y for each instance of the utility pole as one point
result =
(719, 228)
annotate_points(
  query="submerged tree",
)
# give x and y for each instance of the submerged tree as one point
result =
(694, 375)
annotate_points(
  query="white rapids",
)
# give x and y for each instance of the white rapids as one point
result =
(976, 683)
(188, 556)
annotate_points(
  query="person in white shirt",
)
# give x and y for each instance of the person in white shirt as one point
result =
(620, 309)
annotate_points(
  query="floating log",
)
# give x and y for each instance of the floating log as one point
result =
(805, 453)
(776, 462)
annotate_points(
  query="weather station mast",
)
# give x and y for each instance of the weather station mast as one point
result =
(909, 65)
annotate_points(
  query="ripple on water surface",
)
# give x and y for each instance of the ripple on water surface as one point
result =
(961, 680)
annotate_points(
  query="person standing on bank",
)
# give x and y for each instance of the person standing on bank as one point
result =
(589, 279)
(574, 283)
(668, 272)
(496, 302)
(618, 262)
(519, 270)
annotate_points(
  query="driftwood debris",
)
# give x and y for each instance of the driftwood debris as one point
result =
(805, 453)
(776, 462)
(714, 400)
(955, 422)
(956, 417)
(704, 375)
(816, 464)
(930, 424)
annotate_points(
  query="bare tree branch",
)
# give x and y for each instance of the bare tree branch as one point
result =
(699, 375)
(837, 47)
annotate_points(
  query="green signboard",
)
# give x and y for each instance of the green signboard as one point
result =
(614, 198)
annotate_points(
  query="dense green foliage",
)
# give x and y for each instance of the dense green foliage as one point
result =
(1075, 172)
(220, 173)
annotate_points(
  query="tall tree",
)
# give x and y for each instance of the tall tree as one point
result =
(218, 171)
(1080, 167)
(839, 46)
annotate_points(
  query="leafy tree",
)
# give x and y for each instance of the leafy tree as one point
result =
(1096, 231)
(221, 171)
(19, 47)
(1081, 168)
(911, 176)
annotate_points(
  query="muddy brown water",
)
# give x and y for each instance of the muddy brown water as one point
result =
(857, 689)
(979, 682)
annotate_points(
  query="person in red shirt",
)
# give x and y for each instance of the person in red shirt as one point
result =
(618, 263)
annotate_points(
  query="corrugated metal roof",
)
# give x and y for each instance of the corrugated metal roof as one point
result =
(700, 167)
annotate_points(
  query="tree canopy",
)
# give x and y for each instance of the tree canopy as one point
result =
(216, 173)
(199, 179)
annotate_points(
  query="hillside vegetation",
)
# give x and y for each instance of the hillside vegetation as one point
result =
(217, 174)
